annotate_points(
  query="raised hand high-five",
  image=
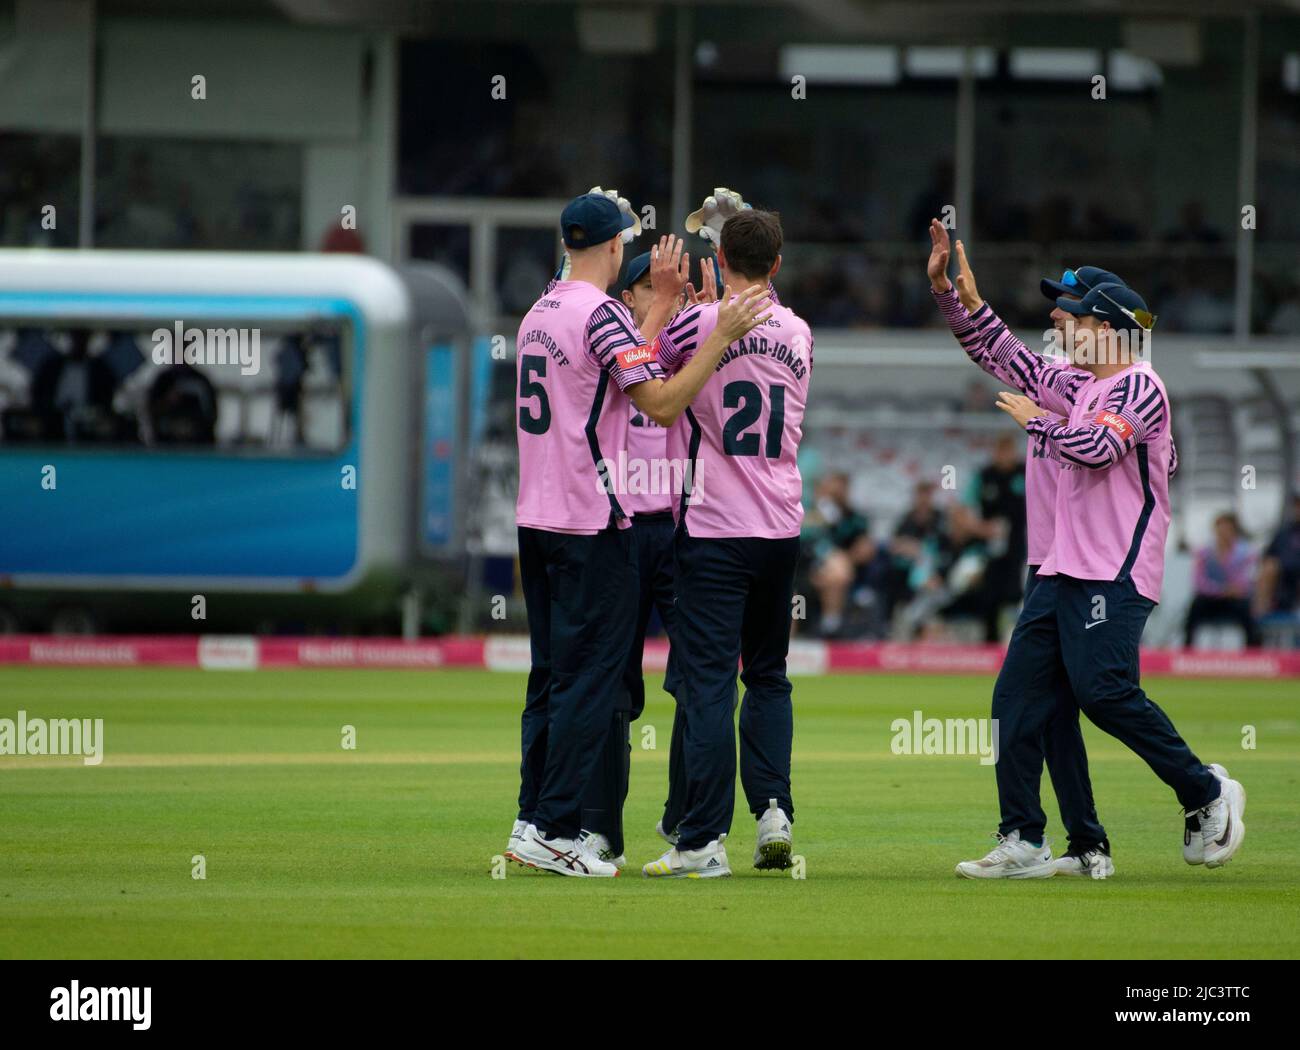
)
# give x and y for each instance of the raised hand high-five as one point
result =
(937, 267)
(966, 290)
(708, 292)
(669, 268)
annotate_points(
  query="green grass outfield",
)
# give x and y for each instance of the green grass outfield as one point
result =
(313, 851)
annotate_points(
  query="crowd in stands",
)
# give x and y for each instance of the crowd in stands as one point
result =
(945, 562)
(952, 567)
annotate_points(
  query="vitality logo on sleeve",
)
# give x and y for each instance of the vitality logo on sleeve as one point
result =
(635, 355)
(1117, 423)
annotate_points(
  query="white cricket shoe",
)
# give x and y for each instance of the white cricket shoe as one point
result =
(599, 844)
(1222, 825)
(1010, 859)
(1091, 863)
(772, 848)
(516, 835)
(707, 863)
(669, 837)
(560, 855)
(1193, 840)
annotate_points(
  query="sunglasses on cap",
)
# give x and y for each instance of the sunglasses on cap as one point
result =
(1071, 280)
(1144, 319)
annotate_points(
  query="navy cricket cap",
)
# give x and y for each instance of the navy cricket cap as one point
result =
(1108, 302)
(592, 219)
(637, 269)
(1078, 282)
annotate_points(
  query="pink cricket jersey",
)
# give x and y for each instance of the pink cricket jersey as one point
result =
(741, 435)
(1117, 454)
(976, 332)
(650, 482)
(578, 350)
(1042, 471)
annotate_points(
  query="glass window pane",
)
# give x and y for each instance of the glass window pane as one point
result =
(201, 194)
(38, 172)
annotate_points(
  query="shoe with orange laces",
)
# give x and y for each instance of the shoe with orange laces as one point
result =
(560, 855)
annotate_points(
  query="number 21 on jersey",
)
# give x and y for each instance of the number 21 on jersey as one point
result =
(747, 399)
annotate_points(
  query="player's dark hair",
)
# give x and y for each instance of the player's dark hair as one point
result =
(751, 241)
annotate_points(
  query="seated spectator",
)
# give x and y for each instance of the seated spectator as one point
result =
(955, 586)
(1278, 586)
(1225, 570)
(846, 562)
(915, 548)
(998, 496)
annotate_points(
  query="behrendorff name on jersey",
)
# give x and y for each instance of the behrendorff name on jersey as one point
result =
(75, 1003)
(53, 736)
(179, 345)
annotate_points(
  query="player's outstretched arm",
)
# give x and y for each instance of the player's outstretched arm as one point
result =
(1048, 384)
(986, 339)
(665, 400)
(964, 311)
(1134, 410)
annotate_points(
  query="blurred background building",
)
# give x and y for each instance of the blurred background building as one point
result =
(441, 139)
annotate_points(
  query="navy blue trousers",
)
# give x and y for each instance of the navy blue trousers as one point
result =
(733, 606)
(1087, 630)
(602, 807)
(580, 592)
(1067, 762)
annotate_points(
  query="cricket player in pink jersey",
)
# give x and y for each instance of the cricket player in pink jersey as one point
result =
(580, 356)
(970, 318)
(647, 496)
(737, 545)
(1109, 422)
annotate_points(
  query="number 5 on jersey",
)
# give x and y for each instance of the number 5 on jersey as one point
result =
(532, 370)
